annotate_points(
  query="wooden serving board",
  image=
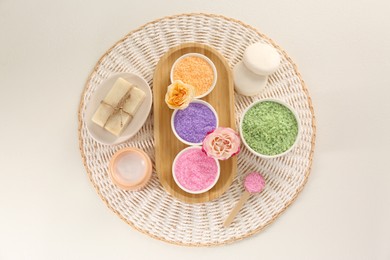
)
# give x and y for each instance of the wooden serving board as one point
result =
(167, 146)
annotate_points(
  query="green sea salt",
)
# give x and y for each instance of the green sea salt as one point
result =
(269, 128)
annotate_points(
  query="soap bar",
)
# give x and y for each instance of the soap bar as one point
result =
(261, 59)
(119, 106)
(137, 96)
(120, 120)
(114, 96)
(246, 82)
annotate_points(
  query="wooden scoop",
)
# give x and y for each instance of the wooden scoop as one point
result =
(253, 183)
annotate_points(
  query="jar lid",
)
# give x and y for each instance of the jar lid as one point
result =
(130, 168)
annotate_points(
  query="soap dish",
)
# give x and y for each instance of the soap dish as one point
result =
(100, 134)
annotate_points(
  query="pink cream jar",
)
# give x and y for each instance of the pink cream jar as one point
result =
(130, 169)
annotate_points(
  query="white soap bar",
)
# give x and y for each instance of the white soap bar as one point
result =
(137, 96)
(120, 120)
(114, 96)
(261, 58)
(116, 120)
(246, 82)
(117, 123)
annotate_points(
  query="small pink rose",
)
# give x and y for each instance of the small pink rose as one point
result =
(222, 143)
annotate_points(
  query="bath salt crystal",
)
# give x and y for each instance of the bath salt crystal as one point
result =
(270, 128)
(194, 170)
(195, 122)
(254, 182)
(196, 72)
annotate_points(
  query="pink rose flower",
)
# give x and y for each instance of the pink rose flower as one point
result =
(222, 143)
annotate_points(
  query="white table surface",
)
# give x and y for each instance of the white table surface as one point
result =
(48, 208)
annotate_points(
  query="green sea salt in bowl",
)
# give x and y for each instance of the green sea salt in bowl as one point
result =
(269, 128)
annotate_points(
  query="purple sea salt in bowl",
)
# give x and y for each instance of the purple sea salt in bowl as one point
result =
(192, 124)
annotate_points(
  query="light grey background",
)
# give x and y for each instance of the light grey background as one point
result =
(48, 208)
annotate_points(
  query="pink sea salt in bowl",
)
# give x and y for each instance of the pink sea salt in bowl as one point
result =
(195, 172)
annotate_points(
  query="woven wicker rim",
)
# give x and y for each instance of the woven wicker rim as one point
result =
(307, 173)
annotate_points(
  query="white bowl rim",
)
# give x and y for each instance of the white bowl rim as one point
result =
(189, 191)
(276, 101)
(208, 61)
(176, 110)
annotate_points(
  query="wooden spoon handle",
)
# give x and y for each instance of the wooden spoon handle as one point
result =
(244, 197)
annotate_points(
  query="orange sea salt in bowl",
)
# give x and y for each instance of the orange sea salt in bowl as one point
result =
(197, 70)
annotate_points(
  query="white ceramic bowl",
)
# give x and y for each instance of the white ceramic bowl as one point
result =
(178, 183)
(173, 121)
(265, 155)
(208, 61)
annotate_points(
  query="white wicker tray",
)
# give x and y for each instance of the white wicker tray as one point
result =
(153, 211)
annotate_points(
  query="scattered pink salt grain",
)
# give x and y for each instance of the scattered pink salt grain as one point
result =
(254, 182)
(195, 171)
